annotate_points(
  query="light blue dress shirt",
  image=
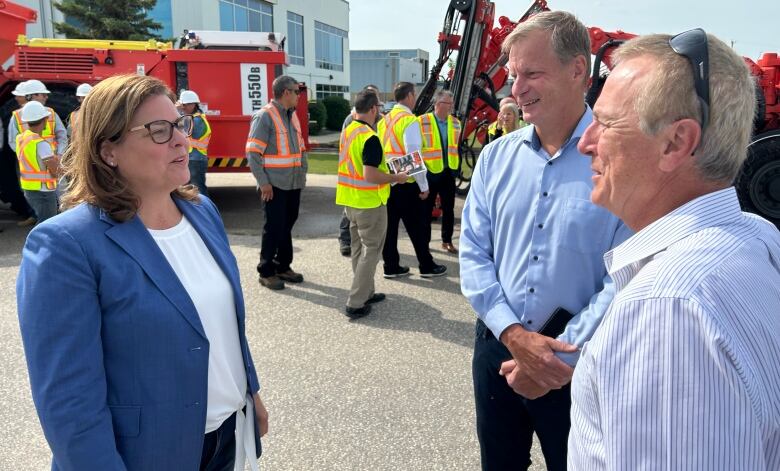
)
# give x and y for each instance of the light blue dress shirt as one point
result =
(532, 241)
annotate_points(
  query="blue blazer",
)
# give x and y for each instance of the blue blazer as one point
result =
(117, 355)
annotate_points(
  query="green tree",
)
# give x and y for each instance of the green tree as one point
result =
(107, 19)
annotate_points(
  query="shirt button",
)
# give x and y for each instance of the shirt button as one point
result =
(540, 226)
(550, 162)
(536, 258)
(531, 290)
(530, 322)
(545, 193)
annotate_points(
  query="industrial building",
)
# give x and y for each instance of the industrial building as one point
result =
(385, 68)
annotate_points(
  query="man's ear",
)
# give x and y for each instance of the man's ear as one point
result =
(681, 141)
(580, 68)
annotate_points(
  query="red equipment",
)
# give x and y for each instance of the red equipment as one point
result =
(232, 84)
(480, 71)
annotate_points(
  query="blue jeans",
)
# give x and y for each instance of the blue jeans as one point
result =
(198, 174)
(44, 203)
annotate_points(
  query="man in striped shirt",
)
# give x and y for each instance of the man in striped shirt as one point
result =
(684, 371)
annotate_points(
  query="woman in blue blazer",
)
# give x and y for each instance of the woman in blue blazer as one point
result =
(137, 361)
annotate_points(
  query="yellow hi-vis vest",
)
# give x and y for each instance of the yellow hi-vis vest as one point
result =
(201, 143)
(48, 132)
(431, 142)
(33, 174)
(351, 188)
(391, 132)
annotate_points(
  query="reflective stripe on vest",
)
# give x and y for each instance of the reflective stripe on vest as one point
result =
(201, 143)
(431, 143)
(32, 174)
(48, 132)
(391, 131)
(284, 158)
(352, 189)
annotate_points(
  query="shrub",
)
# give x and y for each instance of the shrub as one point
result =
(318, 115)
(337, 110)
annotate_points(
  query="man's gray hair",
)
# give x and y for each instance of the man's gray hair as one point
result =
(282, 83)
(669, 95)
(569, 37)
(442, 93)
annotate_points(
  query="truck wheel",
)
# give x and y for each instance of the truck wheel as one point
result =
(758, 182)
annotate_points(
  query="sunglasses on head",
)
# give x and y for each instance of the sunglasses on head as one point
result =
(692, 45)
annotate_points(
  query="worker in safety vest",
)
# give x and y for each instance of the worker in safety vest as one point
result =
(54, 132)
(199, 140)
(81, 92)
(277, 158)
(344, 236)
(38, 165)
(363, 188)
(441, 136)
(400, 134)
(495, 130)
(10, 191)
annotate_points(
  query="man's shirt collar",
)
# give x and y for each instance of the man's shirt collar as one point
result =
(718, 208)
(532, 139)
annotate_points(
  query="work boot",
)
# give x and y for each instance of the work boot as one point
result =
(272, 282)
(290, 276)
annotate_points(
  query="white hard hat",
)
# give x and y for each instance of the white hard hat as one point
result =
(21, 89)
(188, 96)
(34, 111)
(35, 86)
(83, 89)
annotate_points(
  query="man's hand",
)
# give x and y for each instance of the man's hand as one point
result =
(520, 382)
(267, 192)
(261, 414)
(536, 354)
(401, 177)
(424, 195)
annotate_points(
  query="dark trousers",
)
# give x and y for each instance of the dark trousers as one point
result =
(443, 185)
(219, 447)
(506, 421)
(405, 205)
(345, 238)
(276, 249)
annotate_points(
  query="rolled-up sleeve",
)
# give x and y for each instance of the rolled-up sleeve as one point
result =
(478, 279)
(63, 347)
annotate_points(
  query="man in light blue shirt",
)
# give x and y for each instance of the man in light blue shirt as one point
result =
(532, 245)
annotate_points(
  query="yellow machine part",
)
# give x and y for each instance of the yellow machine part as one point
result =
(150, 45)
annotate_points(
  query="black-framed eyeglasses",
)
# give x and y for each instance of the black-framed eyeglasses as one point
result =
(161, 131)
(692, 45)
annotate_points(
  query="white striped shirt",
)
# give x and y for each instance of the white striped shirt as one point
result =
(684, 371)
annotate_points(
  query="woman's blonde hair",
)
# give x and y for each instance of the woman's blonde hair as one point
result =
(515, 110)
(105, 115)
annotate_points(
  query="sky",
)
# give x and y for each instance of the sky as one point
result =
(752, 25)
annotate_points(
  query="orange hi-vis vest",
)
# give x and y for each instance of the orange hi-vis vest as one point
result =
(48, 132)
(201, 144)
(284, 157)
(33, 174)
(352, 189)
(431, 143)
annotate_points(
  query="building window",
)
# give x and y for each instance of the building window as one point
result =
(295, 38)
(324, 90)
(246, 15)
(329, 48)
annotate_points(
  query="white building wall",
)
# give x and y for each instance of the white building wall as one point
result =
(331, 12)
(47, 15)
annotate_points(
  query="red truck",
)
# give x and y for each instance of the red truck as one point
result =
(231, 81)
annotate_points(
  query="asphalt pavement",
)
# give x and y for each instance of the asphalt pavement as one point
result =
(391, 391)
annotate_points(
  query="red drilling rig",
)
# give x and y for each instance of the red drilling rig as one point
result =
(479, 73)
